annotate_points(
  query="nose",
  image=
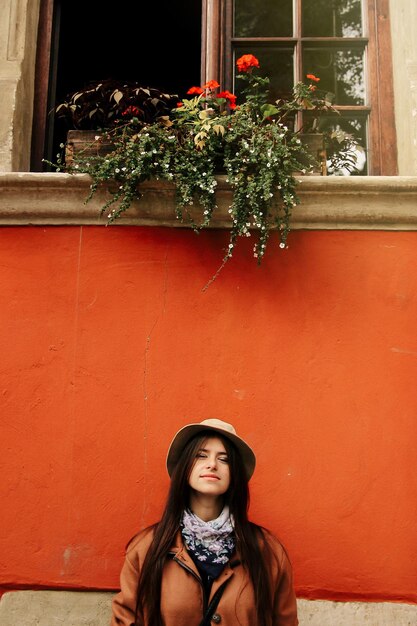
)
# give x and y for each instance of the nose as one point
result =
(211, 462)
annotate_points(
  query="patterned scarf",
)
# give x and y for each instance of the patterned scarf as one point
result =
(210, 544)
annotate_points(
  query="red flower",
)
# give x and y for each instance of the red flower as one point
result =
(131, 110)
(211, 84)
(195, 90)
(313, 77)
(245, 62)
(180, 104)
(227, 96)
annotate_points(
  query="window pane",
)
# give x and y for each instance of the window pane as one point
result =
(276, 63)
(332, 18)
(341, 72)
(354, 125)
(263, 18)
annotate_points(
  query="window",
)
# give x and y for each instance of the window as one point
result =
(155, 43)
(344, 42)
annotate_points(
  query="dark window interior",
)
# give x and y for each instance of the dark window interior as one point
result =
(157, 44)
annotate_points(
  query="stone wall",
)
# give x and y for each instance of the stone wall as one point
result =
(404, 52)
(18, 32)
(82, 608)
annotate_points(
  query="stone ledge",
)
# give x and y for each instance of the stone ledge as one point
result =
(93, 608)
(336, 203)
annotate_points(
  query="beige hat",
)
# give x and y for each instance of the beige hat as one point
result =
(216, 426)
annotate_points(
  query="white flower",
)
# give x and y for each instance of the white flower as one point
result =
(282, 244)
(97, 138)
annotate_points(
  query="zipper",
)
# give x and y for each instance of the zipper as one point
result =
(192, 572)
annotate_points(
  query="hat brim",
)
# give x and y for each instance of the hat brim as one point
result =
(187, 432)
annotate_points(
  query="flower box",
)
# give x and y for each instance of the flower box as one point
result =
(85, 143)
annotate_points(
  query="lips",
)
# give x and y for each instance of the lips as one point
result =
(210, 476)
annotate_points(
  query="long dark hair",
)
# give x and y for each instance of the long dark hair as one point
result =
(249, 536)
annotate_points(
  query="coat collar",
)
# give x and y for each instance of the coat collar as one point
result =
(182, 556)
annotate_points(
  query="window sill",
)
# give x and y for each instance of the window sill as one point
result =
(368, 202)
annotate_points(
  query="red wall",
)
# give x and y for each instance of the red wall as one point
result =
(109, 345)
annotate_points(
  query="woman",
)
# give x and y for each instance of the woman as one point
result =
(204, 562)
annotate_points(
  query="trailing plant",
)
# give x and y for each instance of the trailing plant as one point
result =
(253, 142)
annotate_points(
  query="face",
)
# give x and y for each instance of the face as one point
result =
(210, 474)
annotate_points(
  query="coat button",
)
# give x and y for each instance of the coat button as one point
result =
(216, 618)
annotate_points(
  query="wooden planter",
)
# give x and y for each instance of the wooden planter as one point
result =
(315, 145)
(85, 143)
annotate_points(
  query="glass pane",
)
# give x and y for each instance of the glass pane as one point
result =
(337, 124)
(332, 18)
(276, 63)
(341, 72)
(263, 18)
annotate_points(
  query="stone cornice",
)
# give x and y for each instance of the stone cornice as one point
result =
(363, 202)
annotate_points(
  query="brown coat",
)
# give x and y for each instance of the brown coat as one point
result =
(182, 591)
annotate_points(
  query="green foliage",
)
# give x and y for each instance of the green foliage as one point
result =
(253, 143)
(105, 103)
